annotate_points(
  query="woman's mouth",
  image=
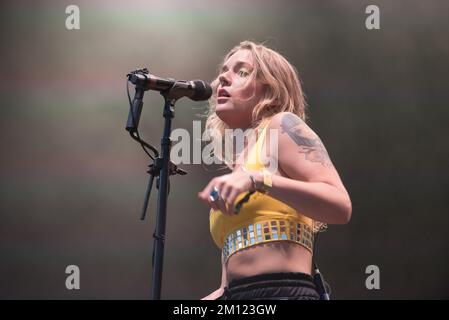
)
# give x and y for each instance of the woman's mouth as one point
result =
(222, 99)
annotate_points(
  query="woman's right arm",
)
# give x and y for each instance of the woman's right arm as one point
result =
(219, 292)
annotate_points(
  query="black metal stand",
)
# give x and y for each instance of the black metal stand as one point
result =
(165, 168)
(161, 168)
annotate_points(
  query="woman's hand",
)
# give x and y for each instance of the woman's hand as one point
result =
(229, 186)
(214, 295)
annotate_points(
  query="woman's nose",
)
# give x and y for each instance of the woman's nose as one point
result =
(224, 81)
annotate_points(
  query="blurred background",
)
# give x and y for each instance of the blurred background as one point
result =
(72, 181)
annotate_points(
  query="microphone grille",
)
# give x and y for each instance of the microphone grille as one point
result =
(203, 91)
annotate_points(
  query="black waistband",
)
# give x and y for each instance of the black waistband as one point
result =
(306, 279)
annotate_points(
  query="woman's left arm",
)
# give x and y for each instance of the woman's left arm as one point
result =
(311, 184)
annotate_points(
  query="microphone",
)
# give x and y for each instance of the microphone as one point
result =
(196, 90)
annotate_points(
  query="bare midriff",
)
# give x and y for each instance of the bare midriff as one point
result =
(272, 257)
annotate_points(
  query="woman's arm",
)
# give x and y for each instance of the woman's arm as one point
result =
(306, 180)
(312, 186)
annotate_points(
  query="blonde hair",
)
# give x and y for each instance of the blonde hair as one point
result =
(282, 91)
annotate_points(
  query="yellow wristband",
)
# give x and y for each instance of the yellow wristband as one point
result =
(267, 180)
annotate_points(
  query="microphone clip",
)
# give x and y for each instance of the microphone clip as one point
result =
(138, 77)
(139, 71)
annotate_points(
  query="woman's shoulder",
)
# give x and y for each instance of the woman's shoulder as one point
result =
(285, 121)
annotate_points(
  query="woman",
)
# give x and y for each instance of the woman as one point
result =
(267, 242)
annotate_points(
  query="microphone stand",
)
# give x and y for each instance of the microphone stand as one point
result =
(161, 168)
(165, 168)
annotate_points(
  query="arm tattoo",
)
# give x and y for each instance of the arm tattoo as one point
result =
(313, 149)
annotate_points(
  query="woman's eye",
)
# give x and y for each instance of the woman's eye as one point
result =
(243, 73)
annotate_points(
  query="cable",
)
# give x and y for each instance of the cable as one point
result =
(318, 278)
(136, 137)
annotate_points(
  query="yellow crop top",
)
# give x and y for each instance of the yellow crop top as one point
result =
(261, 219)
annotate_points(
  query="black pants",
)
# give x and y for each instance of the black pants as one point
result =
(272, 286)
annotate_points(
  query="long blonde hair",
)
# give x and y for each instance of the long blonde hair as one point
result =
(283, 91)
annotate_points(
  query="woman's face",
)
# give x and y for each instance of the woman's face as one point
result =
(236, 108)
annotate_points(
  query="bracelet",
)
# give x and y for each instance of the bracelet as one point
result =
(267, 180)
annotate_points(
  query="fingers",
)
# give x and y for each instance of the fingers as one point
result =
(229, 187)
(222, 206)
(231, 194)
(206, 198)
(231, 200)
(213, 205)
(228, 195)
(205, 195)
(226, 190)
